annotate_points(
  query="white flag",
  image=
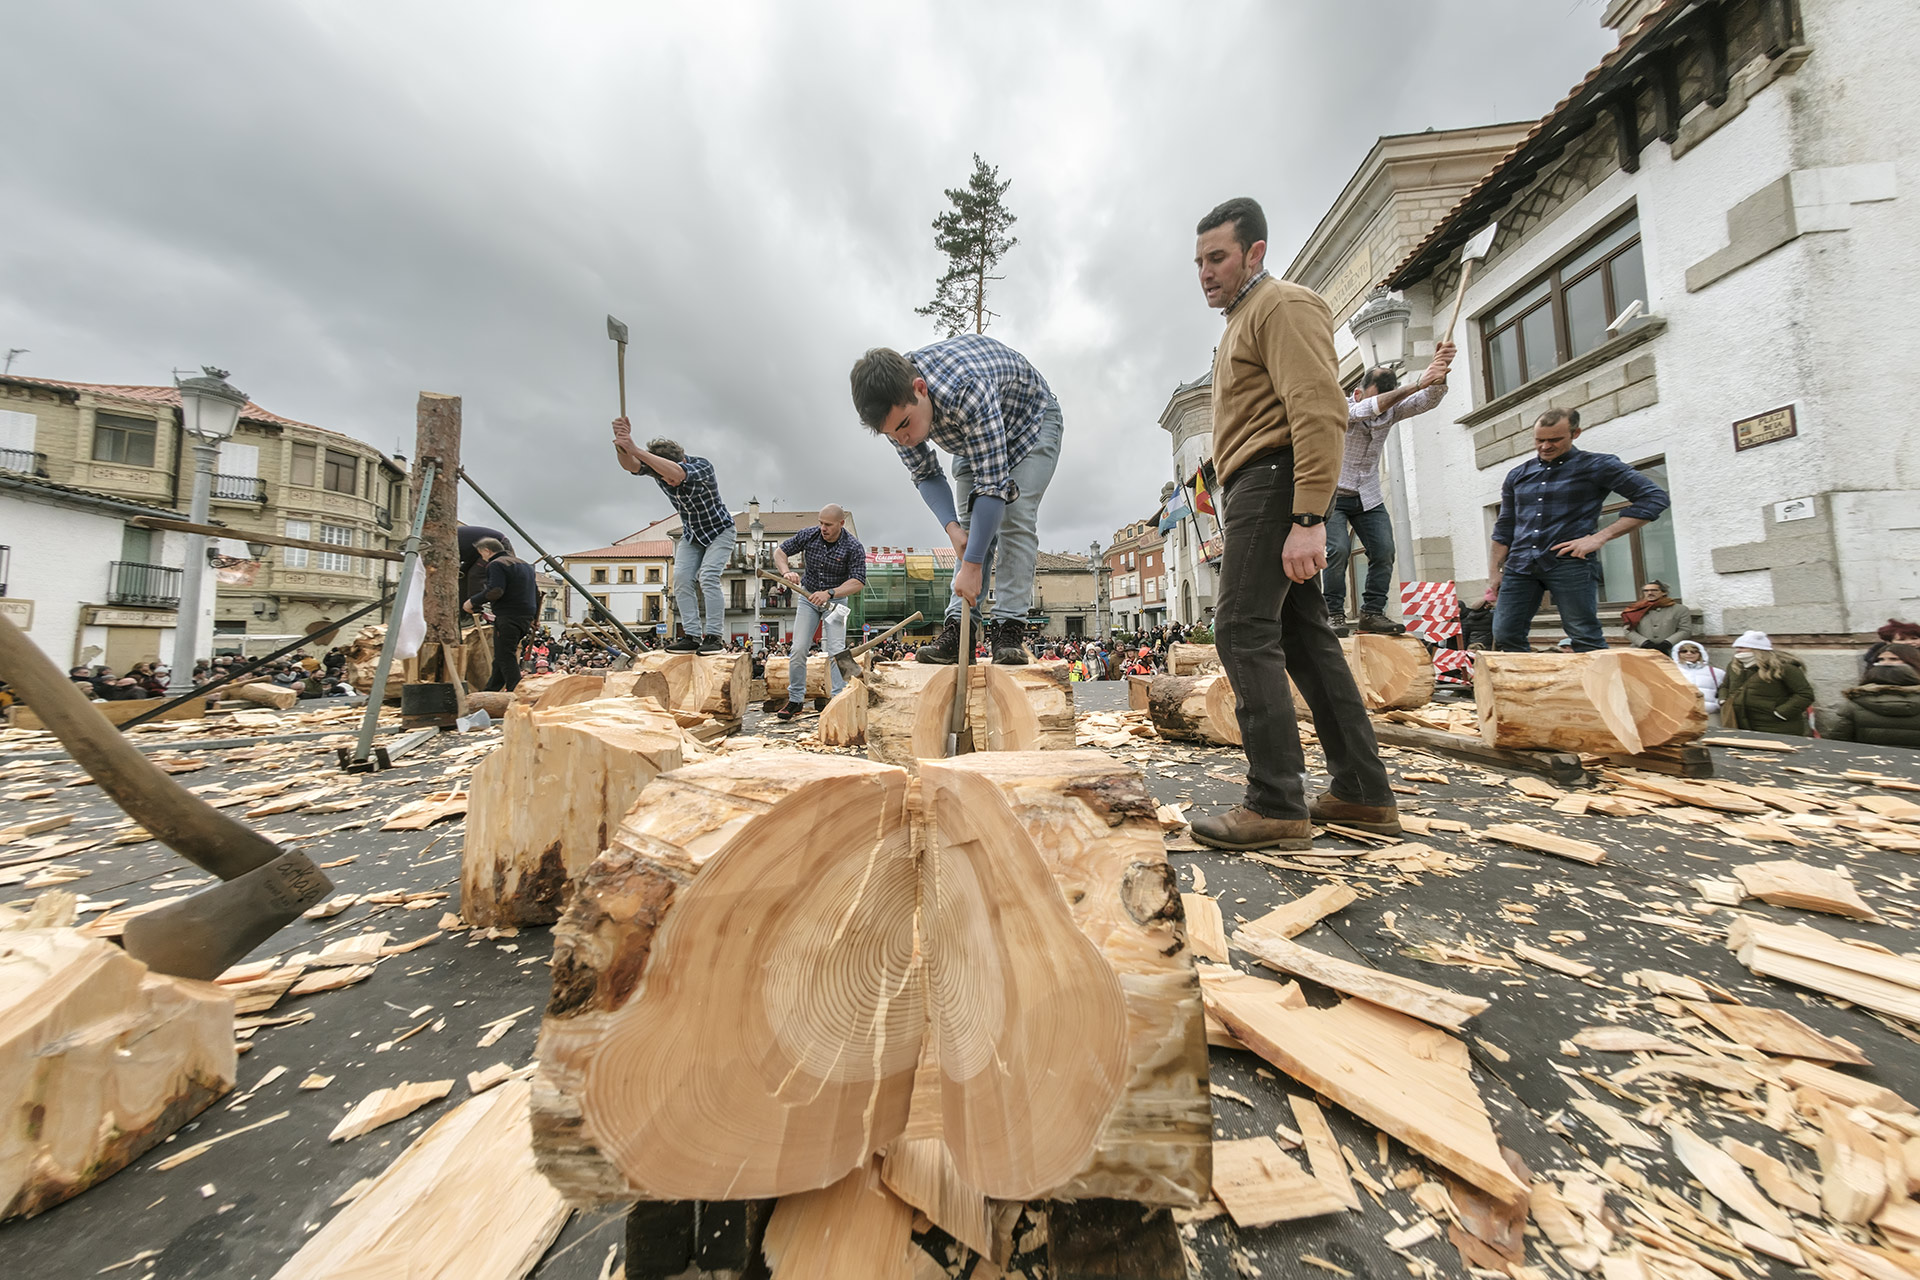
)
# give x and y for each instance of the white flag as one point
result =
(413, 618)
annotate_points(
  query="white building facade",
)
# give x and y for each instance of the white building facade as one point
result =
(1742, 169)
(1192, 545)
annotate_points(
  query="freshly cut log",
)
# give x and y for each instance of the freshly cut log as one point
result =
(1192, 659)
(464, 1199)
(532, 689)
(819, 684)
(856, 1227)
(919, 1168)
(1392, 672)
(1010, 708)
(100, 1059)
(1397, 1074)
(634, 683)
(570, 690)
(267, 695)
(23, 717)
(844, 722)
(1620, 701)
(363, 661)
(545, 802)
(728, 677)
(495, 704)
(1025, 921)
(1416, 999)
(1199, 708)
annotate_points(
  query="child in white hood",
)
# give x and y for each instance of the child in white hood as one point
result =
(1707, 678)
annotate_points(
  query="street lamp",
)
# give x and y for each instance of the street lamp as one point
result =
(1093, 562)
(756, 536)
(210, 412)
(1380, 327)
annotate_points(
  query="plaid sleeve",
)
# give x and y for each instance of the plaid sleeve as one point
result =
(1503, 524)
(922, 462)
(1648, 498)
(986, 441)
(857, 561)
(1420, 401)
(796, 543)
(698, 469)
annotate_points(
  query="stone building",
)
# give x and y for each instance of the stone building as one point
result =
(1066, 596)
(1733, 167)
(1134, 558)
(1192, 546)
(275, 475)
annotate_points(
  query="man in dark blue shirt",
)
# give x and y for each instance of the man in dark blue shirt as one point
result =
(835, 568)
(1548, 533)
(515, 596)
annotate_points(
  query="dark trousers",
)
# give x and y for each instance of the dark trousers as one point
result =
(1268, 627)
(1375, 530)
(508, 632)
(1575, 587)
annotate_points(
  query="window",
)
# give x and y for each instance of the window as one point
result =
(241, 460)
(653, 608)
(366, 483)
(602, 602)
(653, 574)
(626, 576)
(121, 439)
(739, 600)
(296, 557)
(1564, 312)
(1644, 554)
(338, 535)
(340, 471)
(599, 577)
(302, 465)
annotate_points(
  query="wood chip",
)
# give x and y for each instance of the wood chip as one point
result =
(1526, 837)
(1260, 1184)
(384, 1106)
(1553, 961)
(198, 1149)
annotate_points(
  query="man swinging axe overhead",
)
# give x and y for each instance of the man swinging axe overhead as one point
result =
(834, 567)
(981, 401)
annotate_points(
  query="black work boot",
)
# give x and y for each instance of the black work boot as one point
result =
(1007, 640)
(1337, 619)
(684, 643)
(1378, 624)
(945, 650)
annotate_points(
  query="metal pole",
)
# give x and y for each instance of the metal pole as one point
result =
(593, 606)
(377, 694)
(186, 626)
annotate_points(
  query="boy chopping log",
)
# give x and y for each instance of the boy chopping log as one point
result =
(706, 534)
(836, 568)
(1279, 421)
(981, 401)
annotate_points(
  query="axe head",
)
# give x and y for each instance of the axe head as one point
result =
(617, 330)
(206, 934)
(1475, 250)
(849, 669)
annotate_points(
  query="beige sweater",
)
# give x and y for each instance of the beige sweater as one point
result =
(1276, 382)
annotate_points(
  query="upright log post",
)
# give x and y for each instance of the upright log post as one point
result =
(437, 436)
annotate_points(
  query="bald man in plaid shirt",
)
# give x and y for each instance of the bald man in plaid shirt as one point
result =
(981, 401)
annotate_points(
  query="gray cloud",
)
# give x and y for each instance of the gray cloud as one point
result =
(348, 202)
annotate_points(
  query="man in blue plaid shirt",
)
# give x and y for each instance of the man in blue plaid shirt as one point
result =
(1546, 538)
(981, 401)
(835, 568)
(706, 534)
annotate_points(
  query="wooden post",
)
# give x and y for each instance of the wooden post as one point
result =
(437, 436)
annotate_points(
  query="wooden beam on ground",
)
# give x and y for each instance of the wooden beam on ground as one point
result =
(1556, 766)
(116, 712)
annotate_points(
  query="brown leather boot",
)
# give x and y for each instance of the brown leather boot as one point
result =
(1380, 819)
(1240, 828)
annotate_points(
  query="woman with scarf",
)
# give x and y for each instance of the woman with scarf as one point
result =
(1656, 620)
(1766, 691)
(1692, 660)
(1883, 710)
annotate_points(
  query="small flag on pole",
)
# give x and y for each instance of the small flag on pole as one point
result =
(1202, 500)
(1177, 510)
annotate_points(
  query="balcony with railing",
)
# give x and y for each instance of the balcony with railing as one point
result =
(239, 489)
(383, 517)
(24, 461)
(155, 586)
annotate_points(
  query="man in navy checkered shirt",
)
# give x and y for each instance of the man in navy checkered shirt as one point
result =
(981, 401)
(706, 533)
(835, 568)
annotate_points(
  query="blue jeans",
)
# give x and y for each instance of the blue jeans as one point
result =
(696, 578)
(1575, 585)
(833, 640)
(1016, 548)
(1375, 528)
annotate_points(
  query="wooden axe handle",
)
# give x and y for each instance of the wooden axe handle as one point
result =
(621, 358)
(1459, 296)
(896, 627)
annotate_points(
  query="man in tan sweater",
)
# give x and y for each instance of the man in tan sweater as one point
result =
(1279, 425)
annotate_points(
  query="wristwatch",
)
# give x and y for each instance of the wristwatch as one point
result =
(1308, 520)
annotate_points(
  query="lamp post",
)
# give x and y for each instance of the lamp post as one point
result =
(1379, 325)
(1093, 562)
(756, 536)
(209, 411)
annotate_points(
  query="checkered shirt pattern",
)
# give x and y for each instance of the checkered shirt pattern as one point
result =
(703, 516)
(828, 564)
(987, 405)
(1367, 430)
(1543, 504)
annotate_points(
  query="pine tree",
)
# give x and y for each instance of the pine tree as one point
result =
(973, 235)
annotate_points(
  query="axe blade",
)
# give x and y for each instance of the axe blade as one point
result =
(617, 330)
(849, 669)
(214, 929)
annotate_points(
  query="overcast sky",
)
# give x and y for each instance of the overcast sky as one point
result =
(348, 201)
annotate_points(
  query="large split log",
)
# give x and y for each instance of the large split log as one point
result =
(819, 684)
(1015, 912)
(532, 688)
(1617, 701)
(1199, 708)
(99, 1060)
(1192, 659)
(844, 721)
(546, 801)
(1010, 708)
(266, 695)
(1392, 672)
(714, 685)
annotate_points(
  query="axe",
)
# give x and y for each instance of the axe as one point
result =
(266, 887)
(1475, 251)
(959, 735)
(845, 659)
(617, 330)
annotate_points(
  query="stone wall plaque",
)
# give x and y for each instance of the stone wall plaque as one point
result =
(1765, 428)
(17, 611)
